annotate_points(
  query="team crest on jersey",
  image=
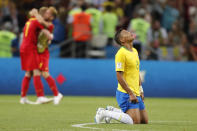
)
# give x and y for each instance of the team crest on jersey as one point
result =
(119, 65)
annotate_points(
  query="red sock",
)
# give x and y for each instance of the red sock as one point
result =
(38, 86)
(52, 85)
(25, 86)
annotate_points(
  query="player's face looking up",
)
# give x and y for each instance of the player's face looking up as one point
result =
(126, 38)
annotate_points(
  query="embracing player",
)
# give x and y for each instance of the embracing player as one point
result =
(49, 14)
(30, 57)
(129, 93)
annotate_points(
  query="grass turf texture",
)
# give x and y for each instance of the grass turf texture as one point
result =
(164, 115)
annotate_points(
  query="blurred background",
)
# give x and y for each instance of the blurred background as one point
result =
(165, 29)
(166, 32)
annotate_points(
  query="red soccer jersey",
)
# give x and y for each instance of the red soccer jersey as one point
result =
(30, 35)
(44, 57)
(50, 28)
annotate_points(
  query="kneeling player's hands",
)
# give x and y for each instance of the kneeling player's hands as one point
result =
(133, 98)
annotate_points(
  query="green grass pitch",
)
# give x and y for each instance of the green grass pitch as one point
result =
(164, 115)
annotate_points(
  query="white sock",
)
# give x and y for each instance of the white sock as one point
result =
(117, 110)
(119, 116)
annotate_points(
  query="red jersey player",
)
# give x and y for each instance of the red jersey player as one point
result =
(48, 14)
(30, 58)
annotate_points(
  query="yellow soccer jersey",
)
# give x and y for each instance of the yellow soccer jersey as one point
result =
(128, 62)
(42, 43)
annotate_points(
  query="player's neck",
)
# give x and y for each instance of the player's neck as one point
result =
(128, 47)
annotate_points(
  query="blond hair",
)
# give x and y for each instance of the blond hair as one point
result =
(53, 10)
(42, 10)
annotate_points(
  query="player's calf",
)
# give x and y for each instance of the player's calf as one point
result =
(25, 83)
(51, 82)
(38, 83)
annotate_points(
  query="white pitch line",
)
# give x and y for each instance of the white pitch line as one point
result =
(85, 125)
(94, 128)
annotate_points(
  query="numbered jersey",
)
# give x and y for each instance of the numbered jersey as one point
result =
(30, 35)
(43, 40)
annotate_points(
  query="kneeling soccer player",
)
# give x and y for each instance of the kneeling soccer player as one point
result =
(129, 93)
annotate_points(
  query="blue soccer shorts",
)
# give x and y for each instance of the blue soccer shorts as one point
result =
(125, 104)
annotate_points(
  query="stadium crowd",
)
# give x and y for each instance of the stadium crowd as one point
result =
(165, 29)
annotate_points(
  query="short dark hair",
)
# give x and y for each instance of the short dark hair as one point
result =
(117, 36)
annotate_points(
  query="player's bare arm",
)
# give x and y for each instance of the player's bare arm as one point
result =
(124, 85)
(141, 89)
(42, 21)
(47, 34)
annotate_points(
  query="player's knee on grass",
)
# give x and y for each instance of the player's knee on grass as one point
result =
(136, 121)
(144, 121)
(36, 72)
(45, 74)
(135, 115)
(144, 117)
